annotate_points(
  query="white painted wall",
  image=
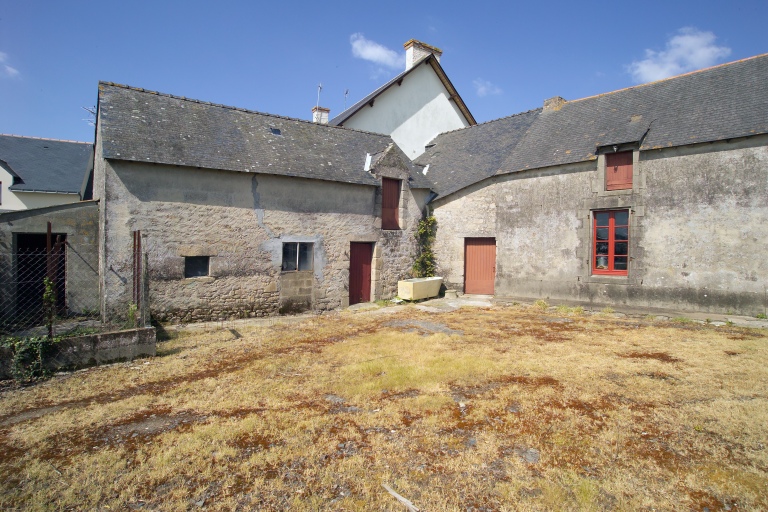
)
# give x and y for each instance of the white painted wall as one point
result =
(16, 200)
(413, 113)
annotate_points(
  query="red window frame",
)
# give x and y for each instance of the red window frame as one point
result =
(610, 242)
(618, 170)
(390, 203)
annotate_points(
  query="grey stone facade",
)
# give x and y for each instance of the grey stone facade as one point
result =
(698, 230)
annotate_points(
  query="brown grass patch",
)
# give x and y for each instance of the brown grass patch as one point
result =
(493, 409)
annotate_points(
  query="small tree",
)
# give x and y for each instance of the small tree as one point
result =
(424, 266)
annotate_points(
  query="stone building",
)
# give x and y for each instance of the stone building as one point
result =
(247, 214)
(651, 196)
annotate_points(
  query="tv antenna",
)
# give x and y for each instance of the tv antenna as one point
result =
(319, 88)
(346, 93)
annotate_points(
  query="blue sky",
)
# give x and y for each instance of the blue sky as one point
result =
(503, 57)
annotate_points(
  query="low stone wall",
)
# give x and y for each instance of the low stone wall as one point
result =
(91, 350)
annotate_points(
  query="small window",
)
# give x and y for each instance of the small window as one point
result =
(618, 170)
(196, 266)
(390, 203)
(297, 256)
(610, 242)
(275, 131)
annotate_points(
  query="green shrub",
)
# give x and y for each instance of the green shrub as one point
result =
(29, 354)
(425, 264)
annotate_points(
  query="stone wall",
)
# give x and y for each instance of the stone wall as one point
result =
(240, 221)
(698, 230)
(84, 351)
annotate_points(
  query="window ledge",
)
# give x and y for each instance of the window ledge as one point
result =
(606, 279)
(201, 279)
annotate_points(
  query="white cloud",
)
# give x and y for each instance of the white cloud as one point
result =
(374, 52)
(485, 88)
(5, 69)
(689, 50)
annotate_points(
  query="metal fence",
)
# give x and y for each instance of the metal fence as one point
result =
(49, 285)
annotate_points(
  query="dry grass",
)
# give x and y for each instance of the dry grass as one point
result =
(497, 409)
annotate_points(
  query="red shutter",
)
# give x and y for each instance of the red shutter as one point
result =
(618, 170)
(390, 203)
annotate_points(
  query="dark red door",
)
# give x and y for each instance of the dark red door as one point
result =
(360, 256)
(479, 265)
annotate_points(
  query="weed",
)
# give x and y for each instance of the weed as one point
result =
(541, 304)
(761, 316)
(567, 310)
(608, 310)
(28, 357)
(132, 320)
(682, 320)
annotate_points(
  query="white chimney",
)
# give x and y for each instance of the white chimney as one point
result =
(320, 115)
(416, 50)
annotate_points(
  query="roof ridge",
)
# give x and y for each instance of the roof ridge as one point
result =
(230, 107)
(695, 71)
(43, 138)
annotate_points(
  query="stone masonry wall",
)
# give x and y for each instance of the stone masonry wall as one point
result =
(240, 221)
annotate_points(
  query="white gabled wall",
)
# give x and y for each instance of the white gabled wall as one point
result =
(10, 200)
(412, 113)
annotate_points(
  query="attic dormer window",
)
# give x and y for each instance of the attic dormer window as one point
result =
(275, 131)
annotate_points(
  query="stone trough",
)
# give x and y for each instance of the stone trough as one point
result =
(419, 288)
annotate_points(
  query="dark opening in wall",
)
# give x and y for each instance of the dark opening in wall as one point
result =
(196, 266)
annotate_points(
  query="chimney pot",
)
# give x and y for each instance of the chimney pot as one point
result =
(320, 115)
(416, 50)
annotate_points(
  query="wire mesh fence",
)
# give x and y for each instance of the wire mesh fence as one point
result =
(49, 291)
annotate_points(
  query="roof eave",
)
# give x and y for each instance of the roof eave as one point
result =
(454, 94)
(36, 191)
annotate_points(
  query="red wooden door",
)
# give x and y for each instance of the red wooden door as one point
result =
(360, 256)
(479, 265)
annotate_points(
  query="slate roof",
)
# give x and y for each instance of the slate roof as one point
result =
(45, 165)
(463, 157)
(429, 59)
(146, 126)
(718, 103)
